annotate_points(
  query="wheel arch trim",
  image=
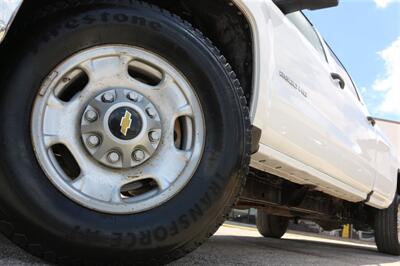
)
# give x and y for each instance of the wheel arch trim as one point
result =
(256, 54)
(260, 15)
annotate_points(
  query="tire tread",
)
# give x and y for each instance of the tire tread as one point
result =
(17, 235)
(386, 232)
(271, 225)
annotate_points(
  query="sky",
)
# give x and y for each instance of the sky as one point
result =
(365, 35)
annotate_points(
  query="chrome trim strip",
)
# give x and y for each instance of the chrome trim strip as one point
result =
(8, 11)
(387, 120)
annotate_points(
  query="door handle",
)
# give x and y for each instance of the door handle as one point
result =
(371, 120)
(336, 76)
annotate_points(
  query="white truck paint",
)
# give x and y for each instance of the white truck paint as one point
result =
(8, 10)
(389, 132)
(313, 132)
(392, 130)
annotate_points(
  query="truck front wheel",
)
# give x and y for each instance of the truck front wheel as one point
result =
(125, 137)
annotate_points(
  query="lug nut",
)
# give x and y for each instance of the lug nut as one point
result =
(139, 155)
(155, 136)
(108, 97)
(151, 112)
(133, 96)
(93, 141)
(113, 157)
(91, 116)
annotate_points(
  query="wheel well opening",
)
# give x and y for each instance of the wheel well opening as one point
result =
(398, 182)
(226, 26)
(219, 20)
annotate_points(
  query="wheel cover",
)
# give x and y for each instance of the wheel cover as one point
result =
(131, 123)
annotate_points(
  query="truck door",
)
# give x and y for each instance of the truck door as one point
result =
(387, 166)
(310, 117)
(361, 135)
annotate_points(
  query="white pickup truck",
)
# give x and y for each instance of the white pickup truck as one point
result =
(129, 129)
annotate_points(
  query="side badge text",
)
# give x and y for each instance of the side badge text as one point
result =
(293, 84)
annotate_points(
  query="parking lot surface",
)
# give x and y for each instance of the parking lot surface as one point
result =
(236, 245)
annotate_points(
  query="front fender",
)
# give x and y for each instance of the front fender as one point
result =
(259, 14)
(8, 10)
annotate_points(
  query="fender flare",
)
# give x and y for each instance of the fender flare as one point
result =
(256, 55)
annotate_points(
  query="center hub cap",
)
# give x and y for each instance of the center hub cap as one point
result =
(121, 128)
(125, 123)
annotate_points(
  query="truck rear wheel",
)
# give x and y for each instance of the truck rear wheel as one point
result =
(125, 138)
(387, 228)
(271, 225)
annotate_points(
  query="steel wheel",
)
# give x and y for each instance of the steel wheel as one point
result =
(117, 129)
(125, 136)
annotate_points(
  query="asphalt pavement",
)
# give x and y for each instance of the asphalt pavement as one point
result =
(235, 245)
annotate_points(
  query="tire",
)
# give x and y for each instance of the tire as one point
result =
(41, 219)
(387, 226)
(271, 225)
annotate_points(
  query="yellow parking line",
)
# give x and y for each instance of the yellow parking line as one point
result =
(243, 227)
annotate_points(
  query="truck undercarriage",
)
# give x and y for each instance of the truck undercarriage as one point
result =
(279, 197)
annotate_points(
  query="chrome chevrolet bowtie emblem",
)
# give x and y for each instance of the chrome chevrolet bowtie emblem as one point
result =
(126, 122)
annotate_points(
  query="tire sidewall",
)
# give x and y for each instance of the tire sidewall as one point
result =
(38, 209)
(396, 213)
